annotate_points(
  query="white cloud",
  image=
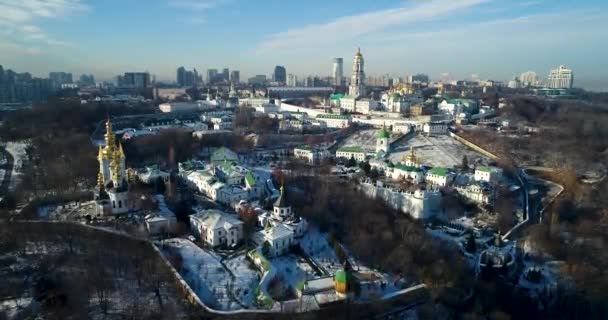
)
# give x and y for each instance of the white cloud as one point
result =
(351, 27)
(197, 4)
(19, 17)
(10, 48)
(542, 24)
(195, 20)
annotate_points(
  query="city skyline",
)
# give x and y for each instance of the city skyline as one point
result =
(433, 37)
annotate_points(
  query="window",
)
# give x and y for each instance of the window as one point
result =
(120, 203)
(113, 203)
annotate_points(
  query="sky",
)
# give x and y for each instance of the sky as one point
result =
(496, 39)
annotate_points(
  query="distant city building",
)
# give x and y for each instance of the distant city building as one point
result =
(338, 71)
(226, 74)
(22, 87)
(280, 74)
(59, 78)
(560, 78)
(211, 75)
(529, 79)
(299, 92)
(181, 76)
(86, 80)
(514, 84)
(235, 76)
(187, 78)
(357, 82)
(418, 78)
(258, 79)
(292, 80)
(139, 80)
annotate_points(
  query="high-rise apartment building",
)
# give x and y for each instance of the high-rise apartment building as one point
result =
(560, 78)
(292, 80)
(226, 74)
(139, 80)
(528, 79)
(235, 77)
(181, 76)
(338, 71)
(280, 74)
(59, 78)
(211, 75)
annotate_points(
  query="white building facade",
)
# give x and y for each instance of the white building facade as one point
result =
(357, 81)
(560, 78)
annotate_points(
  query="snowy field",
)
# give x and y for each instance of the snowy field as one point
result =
(316, 245)
(289, 270)
(215, 285)
(247, 279)
(366, 139)
(439, 151)
(17, 150)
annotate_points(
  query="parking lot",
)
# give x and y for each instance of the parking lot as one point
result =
(438, 151)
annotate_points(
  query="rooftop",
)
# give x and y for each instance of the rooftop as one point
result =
(439, 171)
(350, 149)
(336, 96)
(382, 134)
(304, 147)
(249, 178)
(215, 219)
(331, 116)
(403, 167)
(484, 168)
(277, 232)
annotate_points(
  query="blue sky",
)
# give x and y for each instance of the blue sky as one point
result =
(493, 38)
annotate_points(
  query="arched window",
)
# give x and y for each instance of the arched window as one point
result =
(120, 203)
(113, 203)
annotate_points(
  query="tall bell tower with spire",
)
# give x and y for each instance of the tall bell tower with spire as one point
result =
(357, 80)
(112, 178)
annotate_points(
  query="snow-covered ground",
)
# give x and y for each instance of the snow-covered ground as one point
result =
(211, 281)
(11, 307)
(315, 244)
(439, 151)
(17, 150)
(366, 139)
(288, 269)
(247, 279)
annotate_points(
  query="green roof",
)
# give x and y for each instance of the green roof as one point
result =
(382, 134)
(439, 171)
(226, 166)
(304, 147)
(403, 167)
(331, 116)
(351, 149)
(342, 276)
(484, 168)
(459, 101)
(336, 96)
(249, 178)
